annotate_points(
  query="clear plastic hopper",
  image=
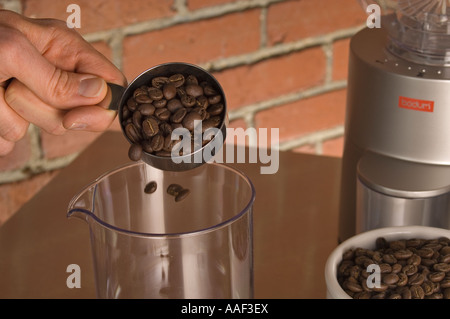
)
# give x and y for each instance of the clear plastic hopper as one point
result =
(419, 30)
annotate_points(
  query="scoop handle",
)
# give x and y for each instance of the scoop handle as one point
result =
(117, 93)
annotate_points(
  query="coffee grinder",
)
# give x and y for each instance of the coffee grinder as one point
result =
(396, 160)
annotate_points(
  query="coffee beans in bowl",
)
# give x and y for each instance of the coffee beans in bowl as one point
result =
(413, 268)
(391, 263)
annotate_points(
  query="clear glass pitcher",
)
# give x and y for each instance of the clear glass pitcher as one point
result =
(149, 245)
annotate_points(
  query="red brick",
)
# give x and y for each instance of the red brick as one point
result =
(294, 20)
(101, 14)
(18, 156)
(273, 77)
(103, 48)
(73, 141)
(305, 116)
(14, 195)
(340, 59)
(196, 42)
(333, 147)
(198, 4)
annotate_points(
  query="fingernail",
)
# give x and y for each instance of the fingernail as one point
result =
(91, 87)
(77, 126)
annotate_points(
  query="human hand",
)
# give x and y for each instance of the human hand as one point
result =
(51, 77)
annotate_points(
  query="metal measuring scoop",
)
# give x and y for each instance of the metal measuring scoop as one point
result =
(120, 96)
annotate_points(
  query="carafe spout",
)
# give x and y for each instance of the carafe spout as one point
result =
(81, 206)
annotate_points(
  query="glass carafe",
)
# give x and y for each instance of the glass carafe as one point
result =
(148, 245)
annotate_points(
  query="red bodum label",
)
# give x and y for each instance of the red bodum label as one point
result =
(415, 104)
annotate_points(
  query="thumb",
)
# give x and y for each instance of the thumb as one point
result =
(65, 89)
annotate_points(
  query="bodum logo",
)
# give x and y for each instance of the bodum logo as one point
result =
(415, 104)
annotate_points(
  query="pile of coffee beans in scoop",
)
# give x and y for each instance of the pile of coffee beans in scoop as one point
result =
(166, 103)
(408, 269)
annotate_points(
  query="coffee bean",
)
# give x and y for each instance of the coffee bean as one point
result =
(215, 109)
(444, 258)
(414, 260)
(189, 120)
(428, 262)
(163, 114)
(416, 279)
(147, 146)
(202, 102)
(174, 189)
(417, 292)
(132, 104)
(397, 244)
(188, 101)
(409, 270)
(428, 288)
(182, 195)
(160, 103)
(390, 279)
(150, 126)
(442, 267)
(445, 250)
(385, 268)
(146, 109)
(157, 142)
(403, 254)
(135, 152)
(150, 187)
(214, 99)
(158, 82)
(174, 105)
(425, 252)
(402, 279)
(143, 98)
(445, 283)
(177, 80)
(179, 115)
(191, 79)
(132, 133)
(155, 93)
(165, 128)
(137, 120)
(414, 242)
(436, 276)
(169, 91)
(209, 90)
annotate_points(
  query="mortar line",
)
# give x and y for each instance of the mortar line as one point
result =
(287, 98)
(278, 50)
(181, 17)
(313, 138)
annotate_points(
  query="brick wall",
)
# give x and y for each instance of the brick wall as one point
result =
(282, 63)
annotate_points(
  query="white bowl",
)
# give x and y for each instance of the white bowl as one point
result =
(367, 240)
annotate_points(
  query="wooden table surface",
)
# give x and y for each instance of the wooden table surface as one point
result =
(295, 227)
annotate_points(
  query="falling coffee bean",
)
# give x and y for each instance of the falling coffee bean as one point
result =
(150, 187)
(182, 195)
(178, 192)
(135, 152)
(174, 189)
